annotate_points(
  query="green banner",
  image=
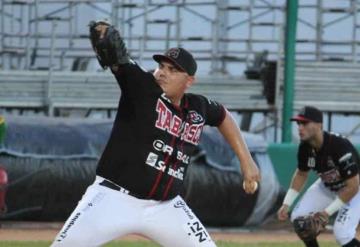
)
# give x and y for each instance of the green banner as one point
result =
(284, 159)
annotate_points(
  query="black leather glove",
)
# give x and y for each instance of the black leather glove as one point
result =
(110, 48)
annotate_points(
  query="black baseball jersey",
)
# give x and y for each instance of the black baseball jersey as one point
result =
(336, 161)
(152, 140)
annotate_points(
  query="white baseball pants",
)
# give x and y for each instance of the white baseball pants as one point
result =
(318, 197)
(104, 214)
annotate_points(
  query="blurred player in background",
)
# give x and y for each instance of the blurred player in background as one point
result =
(336, 162)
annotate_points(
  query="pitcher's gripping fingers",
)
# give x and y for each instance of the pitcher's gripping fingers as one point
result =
(250, 187)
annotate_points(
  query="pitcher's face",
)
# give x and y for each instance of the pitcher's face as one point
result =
(173, 81)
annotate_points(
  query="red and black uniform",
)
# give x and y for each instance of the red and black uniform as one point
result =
(152, 140)
(336, 161)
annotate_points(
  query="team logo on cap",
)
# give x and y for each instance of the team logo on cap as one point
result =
(173, 53)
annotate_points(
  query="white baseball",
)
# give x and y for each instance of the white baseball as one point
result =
(255, 185)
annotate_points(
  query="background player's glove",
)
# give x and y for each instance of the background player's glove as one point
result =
(309, 227)
(110, 48)
(322, 220)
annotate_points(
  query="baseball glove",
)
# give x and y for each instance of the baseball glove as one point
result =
(110, 48)
(309, 227)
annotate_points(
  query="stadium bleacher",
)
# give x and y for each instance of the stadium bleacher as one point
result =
(333, 87)
(36, 90)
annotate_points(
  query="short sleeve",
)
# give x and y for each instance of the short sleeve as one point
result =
(215, 113)
(348, 158)
(302, 158)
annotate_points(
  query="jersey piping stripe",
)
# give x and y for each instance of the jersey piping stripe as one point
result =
(166, 192)
(172, 144)
(172, 178)
(160, 173)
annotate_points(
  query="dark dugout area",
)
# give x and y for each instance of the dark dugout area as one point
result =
(51, 161)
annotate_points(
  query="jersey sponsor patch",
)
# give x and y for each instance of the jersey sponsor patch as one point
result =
(153, 161)
(183, 157)
(161, 146)
(177, 173)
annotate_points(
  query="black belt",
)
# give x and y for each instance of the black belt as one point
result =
(111, 185)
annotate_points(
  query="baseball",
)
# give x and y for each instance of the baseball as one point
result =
(252, 185)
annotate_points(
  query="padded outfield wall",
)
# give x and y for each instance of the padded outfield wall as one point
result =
(51, 161)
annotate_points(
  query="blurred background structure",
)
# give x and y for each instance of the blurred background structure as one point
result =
(47, 63)
(48, 68)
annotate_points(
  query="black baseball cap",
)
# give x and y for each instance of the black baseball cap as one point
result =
(309, 114)
(180, 57)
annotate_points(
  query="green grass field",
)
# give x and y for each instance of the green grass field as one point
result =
(147, 244)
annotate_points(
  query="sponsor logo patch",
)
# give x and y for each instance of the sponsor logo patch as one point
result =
(343, 216)
(63, 234)
(152, 160)
(182, 205)
(196, 232)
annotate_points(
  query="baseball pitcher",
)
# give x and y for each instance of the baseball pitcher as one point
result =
(144, 163)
